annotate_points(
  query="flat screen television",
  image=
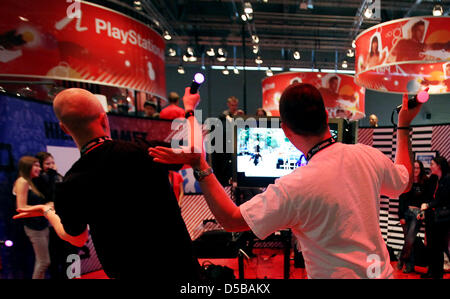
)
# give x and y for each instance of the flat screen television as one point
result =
(263, 153)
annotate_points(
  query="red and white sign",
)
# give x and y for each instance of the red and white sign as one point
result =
(341, 96)
(72, 40)
(405, 56)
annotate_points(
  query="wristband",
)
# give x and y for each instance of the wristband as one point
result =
(201, 174)
(48, 210)
(189, 113)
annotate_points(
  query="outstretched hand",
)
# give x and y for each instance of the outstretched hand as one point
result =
(32, 211)
(185, 155)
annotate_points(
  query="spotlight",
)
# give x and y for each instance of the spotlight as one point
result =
(368, 13)
(226, 71)
(255, 49)
(210, 52)
(344, 64)
(296, 55)
(248, 8)
(137, 5)
(244, 17)
(221, 55)
(235, 71)
(353, 44)
(255, 38)
(269, 72)
(167, 35)
(172, 52)
(438, 10)
(181, 70)
(258, 60)
(350, 53)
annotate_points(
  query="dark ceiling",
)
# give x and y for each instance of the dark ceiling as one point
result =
(321, 30)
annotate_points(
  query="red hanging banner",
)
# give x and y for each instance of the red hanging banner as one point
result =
(405, 56)
(341, 96)
(80, 41)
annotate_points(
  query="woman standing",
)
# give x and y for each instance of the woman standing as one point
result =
(36, 229)
(409, 209)
(438, 232)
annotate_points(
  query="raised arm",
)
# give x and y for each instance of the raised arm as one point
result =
(403, 152)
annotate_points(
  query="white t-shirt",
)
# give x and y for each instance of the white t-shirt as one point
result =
(332, 207)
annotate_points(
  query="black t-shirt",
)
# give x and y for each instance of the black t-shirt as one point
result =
(419, 193)
(133, 216)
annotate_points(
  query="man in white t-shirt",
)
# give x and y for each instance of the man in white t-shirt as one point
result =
(331, 205)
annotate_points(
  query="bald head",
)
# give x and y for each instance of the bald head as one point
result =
(80, 113)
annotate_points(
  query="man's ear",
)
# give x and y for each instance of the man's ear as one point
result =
(104, 123)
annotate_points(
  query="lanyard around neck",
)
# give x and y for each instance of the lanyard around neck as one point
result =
(320, 146)
(93, 144)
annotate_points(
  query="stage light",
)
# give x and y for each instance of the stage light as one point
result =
(255, 49)
(344, 64)
(221, 55)
(210, 52)
(353, 44)
(296, 55)
(235, 71)
(225, 71)
(248, 8)
(350, 53)
(172, 52)
(137, 5)
(255, 38)
(368, 13)
(181, 70)
(269, 72)
(438, 10)
(258, 60)
(244, 17)
(167, 35)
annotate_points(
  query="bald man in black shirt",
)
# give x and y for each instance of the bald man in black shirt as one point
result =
(124, 197)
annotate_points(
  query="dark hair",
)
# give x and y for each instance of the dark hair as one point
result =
(422, 174)
(173, 97)
(419, 23)
(42, 156)
(302, 110)
(371, 43)
(443, 164)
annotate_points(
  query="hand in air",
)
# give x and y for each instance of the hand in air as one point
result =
(190, 101)
(183, 155)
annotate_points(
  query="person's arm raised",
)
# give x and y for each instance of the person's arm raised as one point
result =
(403, 152)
